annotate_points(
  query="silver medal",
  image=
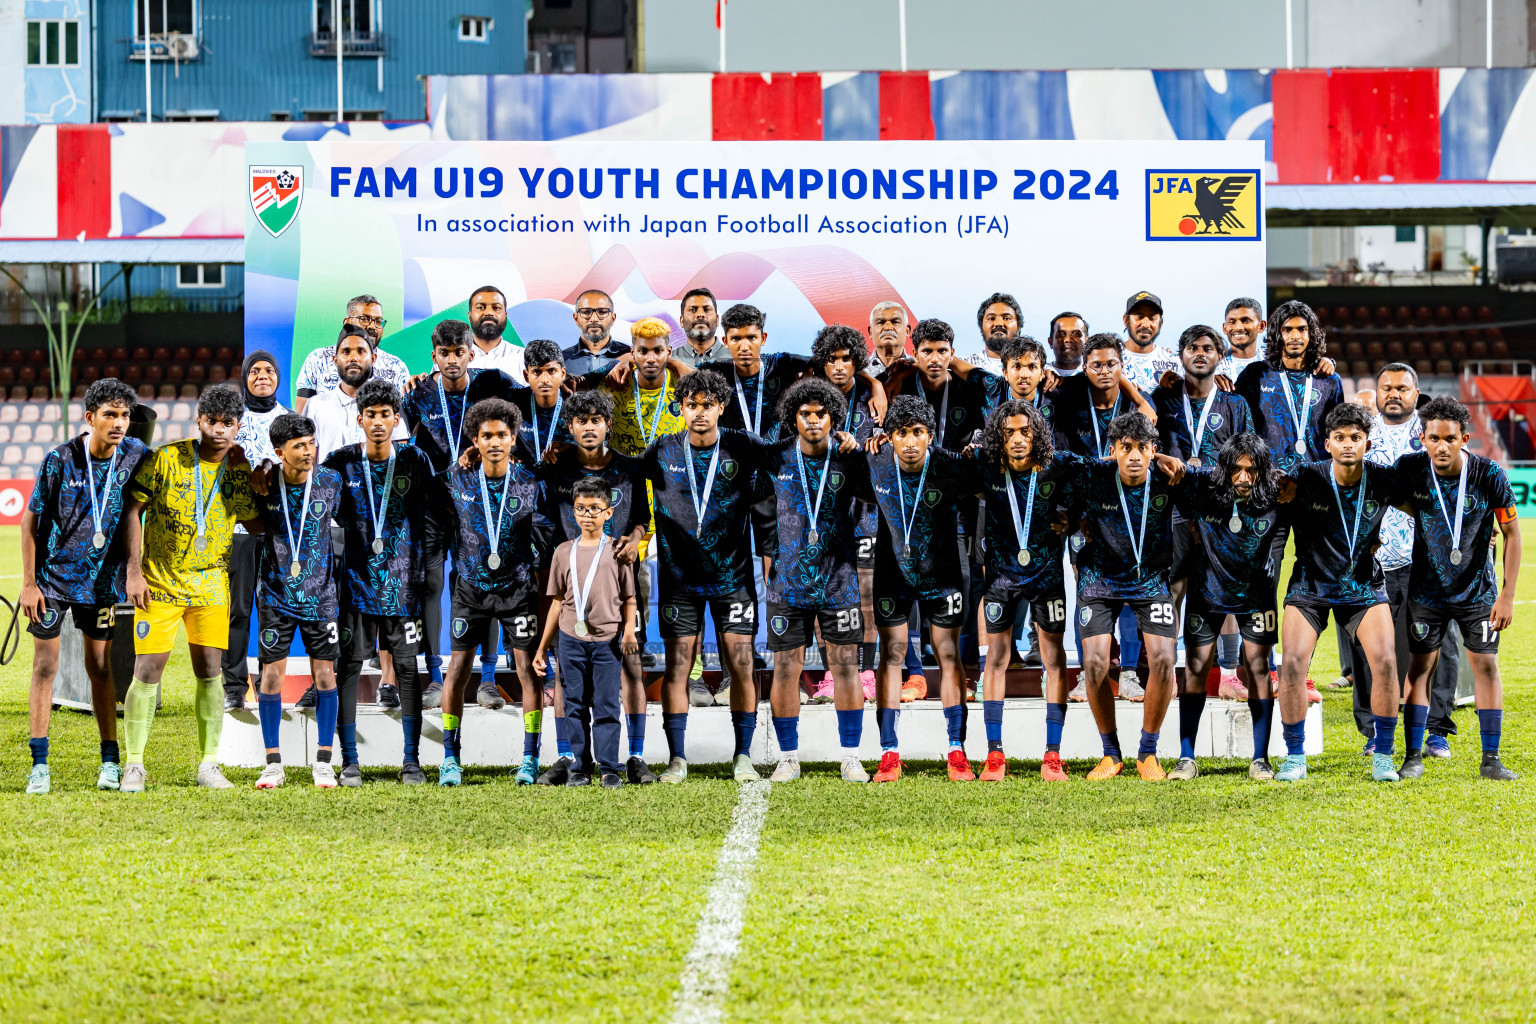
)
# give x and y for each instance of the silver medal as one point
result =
(1194, 460)
(494, 561)
(1301, 446)
(581, 629)
(200, 544)
(1024, 556)
(813, 538)
(378, 545)
(906, 552)
(294, 570)
(98, 539)
(1235, 524)
(1456, 557)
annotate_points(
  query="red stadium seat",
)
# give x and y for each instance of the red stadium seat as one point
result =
(188, 391)
(1484, 313)
(204, 354)
(217, 375)
(1442, 314)
(1396, 350)
(1374, 349)
(197, 373)
(133, 373)
(166, 392)
(1444, 366)
(1403, 315)
(1423, 367)
(120, 354)
(1382, 316)
(1463, 314)
(1457, 349)
(183, 355)
(1360, 368)
(1422, 316)
(224, 354)
(1362, 316)
(1498, 349)
(27, 374)
(161, 354)
(141, 354)
(1341, 315)
(1416, 348)
(1437, 349)
(1477, 349)
(175, 373)
(38, 357)
(40, 393)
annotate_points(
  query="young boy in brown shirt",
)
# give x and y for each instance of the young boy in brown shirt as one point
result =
(597, 608)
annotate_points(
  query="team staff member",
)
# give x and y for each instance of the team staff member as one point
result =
(999, 320)
(1458, 499)
(334, 412)
(190, 494)
(319, 373)
(488, 316)
(1145, 360)
(260, 378)
(72, 556)
(1244, 327)
(596, 350)
(890, 335)
(1069, 333)
(699, 320)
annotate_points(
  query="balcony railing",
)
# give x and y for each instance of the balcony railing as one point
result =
(353, 44)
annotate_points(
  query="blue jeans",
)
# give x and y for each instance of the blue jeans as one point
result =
(590, 680)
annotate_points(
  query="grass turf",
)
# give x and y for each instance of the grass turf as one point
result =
(1336, 899)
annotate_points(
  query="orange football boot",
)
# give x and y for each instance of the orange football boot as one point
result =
(960, 766)
(1150, 769)
(995, 768)
(1107, 768)
(1051, 769)
(890, 767)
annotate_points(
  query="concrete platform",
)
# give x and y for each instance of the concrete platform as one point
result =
(496, 737)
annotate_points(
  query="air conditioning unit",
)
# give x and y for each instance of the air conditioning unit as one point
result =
(181, 47)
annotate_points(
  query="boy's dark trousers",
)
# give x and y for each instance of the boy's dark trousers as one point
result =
(590, 679)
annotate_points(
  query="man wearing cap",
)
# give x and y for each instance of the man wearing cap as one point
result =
(318, 372)
(1145, 363)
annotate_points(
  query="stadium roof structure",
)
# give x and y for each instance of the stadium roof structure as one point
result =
(124, 250)
(1501, 204)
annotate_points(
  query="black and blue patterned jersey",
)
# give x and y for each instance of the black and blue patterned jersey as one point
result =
(70, 568)
(538, 424)
(959, 407)
(1107, 566)
(1074, 417)
(1273, 420)
(524, 530)
(776, 372)
(1228, 417)
(934, 568)
(1237, 570)
(1043, 573)
(712, 558)
(311, 595)
(1435, 581)
(861, 424)
(1325, 572)
(625, 478)
(824, 575)
(423, 411)
(389, 582)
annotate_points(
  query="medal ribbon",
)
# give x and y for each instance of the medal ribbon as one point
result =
(293, 545)
(1022, 529)
(1146, 502)
(917, 500)
(661, 401)
(485, 500)
(106, 487)
(709, 482)
(389, 484)
(453, 433)
(1354, 534)
(199, 508)
(1299, 418)
(583, 591)
(756, 418)
(554, 424)
(1093, 417)
(805, 484)
(1461, 497)
(1197, 431)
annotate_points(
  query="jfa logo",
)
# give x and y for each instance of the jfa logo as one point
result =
(276, 194)
(1203, 205)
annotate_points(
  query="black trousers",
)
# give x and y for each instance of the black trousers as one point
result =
(1442, 685)
(590, 677)
(244, 560)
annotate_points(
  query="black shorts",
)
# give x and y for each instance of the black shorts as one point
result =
(1426, 627)
(321, 639)
(864, 552)
(362, 635)
(1154, 615)
(1000, 606)
(96, 621)
(1185, 549)
(475, 610)
(1257, 625)
(946, 611)
(683, 616)
(1346, 616)
(790, 629)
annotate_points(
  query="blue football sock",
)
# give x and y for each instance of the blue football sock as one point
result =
(1295, 736)
(109, 751)
(787, 731)
(635, 726)
(1111, 742)
(411, 727)
(1191, 707)
(39, 748)
(1262, 711)
(850, 728)
(954, 722)
(269, 711)
(1228, 645)
(451, 735)
(674, 725)
(562, 737)
(743, 724)
(348, 734)
(531, 741)
(992, 716)
(435, 668)
(1415, 718)
(1148, 744)
(913, 663)
(1490, 724)
(1055, 719)
(887, 719)
(327, 707)
(1386, 733)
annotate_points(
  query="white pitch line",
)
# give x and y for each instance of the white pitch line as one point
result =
(707, 969)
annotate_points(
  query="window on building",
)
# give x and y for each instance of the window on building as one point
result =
(282, 115)
(200, 275)
(1407, 233)
(346, 115)
(53, 44)
(562, 58)
(356, 16)
(166, 16)
(474, 29)
(557, 5)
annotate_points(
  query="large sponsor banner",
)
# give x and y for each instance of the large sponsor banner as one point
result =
(1522, 480)
(812, 233)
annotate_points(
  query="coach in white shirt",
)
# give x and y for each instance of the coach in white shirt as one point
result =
(1069, 333)
(334, 412)
(318, 371)
(488, 318)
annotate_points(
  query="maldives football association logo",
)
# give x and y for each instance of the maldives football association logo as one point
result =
(276, 193)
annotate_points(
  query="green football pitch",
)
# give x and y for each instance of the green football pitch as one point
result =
(1222, 899)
